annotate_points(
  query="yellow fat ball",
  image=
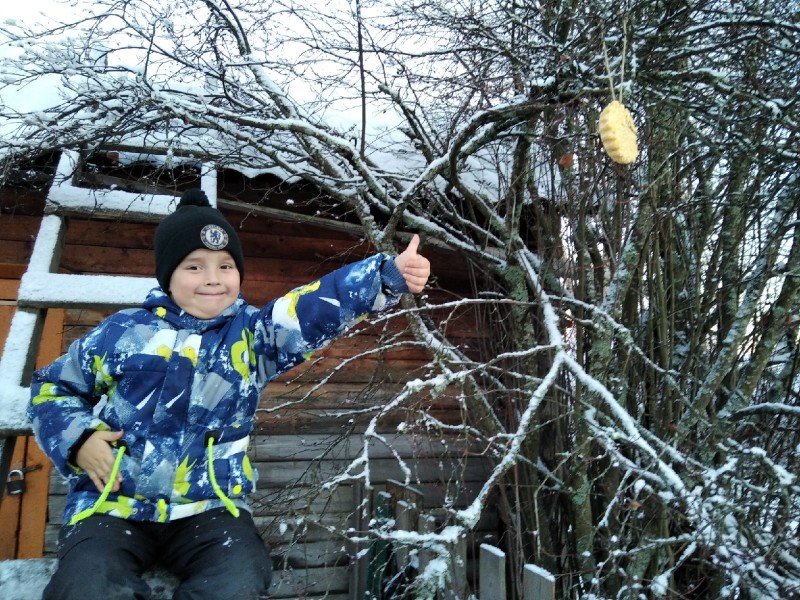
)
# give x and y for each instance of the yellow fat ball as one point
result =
(618, 133)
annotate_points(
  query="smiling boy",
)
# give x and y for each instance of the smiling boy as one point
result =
(148, 416)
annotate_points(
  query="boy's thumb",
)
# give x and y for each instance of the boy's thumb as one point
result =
(413, 244)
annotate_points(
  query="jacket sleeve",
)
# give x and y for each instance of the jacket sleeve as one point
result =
(309, 317)
(63, 396)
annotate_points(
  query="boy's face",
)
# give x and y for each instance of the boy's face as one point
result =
(205, 283)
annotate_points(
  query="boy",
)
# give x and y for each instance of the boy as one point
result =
(148, 416)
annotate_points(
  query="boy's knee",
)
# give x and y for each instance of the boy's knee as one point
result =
(249, 581)
(108, 580)
(229, 560)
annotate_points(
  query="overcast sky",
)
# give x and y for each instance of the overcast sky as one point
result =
(32, 9)
(36, 95)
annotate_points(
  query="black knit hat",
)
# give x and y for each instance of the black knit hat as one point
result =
(194, 224)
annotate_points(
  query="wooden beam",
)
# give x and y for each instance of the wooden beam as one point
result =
(291, 217)
(16, 366)
(42, 290)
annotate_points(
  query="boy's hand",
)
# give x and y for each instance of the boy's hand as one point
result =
(415, 268)
(96, 458)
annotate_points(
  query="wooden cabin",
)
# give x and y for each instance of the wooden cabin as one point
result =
(311, 422)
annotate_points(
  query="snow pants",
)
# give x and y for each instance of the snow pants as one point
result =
(213, 554)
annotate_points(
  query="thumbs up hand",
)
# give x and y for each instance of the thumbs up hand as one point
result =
(415, 268)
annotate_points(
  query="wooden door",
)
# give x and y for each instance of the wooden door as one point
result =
(23, 517)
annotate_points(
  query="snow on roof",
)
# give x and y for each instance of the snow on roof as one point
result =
(63, 194)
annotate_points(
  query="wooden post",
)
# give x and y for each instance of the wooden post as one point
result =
(360, 551)
(458, 586)
(16, 366)
(492, 573)
(406, 518)
(426, 524)
(407, 504)
(406, 493)
(7, 444)
(379, 549)
(538, 584)
(22, 344)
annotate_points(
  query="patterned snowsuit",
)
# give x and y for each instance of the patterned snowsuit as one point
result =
(182, 388)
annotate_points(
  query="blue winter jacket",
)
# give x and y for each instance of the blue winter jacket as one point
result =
(182, 388)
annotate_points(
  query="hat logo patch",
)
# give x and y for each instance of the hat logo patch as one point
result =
(214, 237)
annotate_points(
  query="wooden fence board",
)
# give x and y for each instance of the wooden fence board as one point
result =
(537, 584)
(492, 579)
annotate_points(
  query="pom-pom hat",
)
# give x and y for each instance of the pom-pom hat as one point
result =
(195, 224)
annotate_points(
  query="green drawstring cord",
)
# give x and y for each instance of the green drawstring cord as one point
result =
(218, 490)
(232, 508)
(162, 510)
(106, 491)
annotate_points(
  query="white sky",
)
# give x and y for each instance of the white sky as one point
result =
(39, 94)
(31, 9)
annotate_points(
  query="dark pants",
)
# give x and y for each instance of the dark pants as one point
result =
(213, 554)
